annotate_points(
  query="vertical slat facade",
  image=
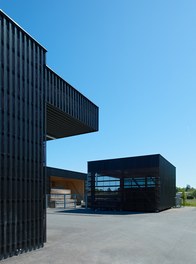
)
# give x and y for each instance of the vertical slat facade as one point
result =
(167, 184)
(22, 133)
(67, 99)
(27, 89)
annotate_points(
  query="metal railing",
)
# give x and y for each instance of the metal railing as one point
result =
(178, 202)
(65, 201)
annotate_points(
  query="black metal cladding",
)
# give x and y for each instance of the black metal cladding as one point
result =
(62, 95)
(145, 183)
(68, 111)
(61, 173)
(167, 184)
(23, 108)
(22, 131)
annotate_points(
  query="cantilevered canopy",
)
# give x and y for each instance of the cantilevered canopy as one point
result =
(60, 124)
(68, 112)
(61, 173)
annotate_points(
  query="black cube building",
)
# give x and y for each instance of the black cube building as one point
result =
(144, 183)
(35, 105)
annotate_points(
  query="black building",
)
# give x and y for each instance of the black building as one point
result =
(144, 183)
(35, 105)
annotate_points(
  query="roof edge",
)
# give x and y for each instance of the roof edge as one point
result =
(50, 69)
(24, 31)
(121, 158)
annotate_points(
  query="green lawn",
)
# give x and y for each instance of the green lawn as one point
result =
(190, 202)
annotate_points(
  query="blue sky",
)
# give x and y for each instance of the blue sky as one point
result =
(136, 60)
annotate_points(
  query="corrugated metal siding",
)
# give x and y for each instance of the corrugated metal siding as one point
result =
(27, 90)
(66, 98)
(167, 184)
(22, 130)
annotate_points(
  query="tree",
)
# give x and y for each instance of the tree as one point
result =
(188, 187)
(179, 189)
(183, 198)
(193, 193)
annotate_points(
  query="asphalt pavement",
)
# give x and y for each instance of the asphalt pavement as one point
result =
(80, 236)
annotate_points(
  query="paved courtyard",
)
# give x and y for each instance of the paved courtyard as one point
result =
(79, 236)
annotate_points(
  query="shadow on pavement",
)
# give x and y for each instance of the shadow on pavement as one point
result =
(84, 211)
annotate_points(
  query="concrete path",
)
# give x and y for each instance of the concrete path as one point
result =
(79, 236)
